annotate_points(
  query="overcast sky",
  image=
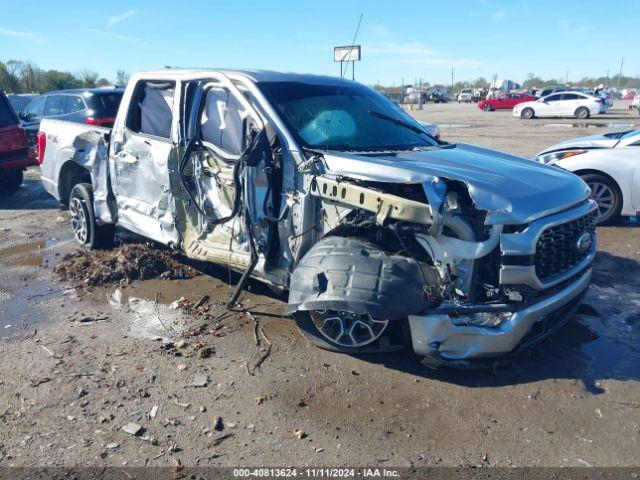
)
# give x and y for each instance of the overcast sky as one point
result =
(400, 40)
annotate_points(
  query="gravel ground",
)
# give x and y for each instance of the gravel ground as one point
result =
(79, 365)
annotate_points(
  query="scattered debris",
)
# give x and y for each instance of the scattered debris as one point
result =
(112, 445)
(218, 424)
(200, 380)
(599, 413)
(132, 429)
(183, 405)
(300, 434)
(260, 400)
(125, 263)
(82, 392)
(154, 411)
(182, 366)
(217, 441)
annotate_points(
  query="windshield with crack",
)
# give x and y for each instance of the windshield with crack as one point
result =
(339, 117)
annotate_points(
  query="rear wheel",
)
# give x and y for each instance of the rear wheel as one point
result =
(83, 223)
(11, 180)
(486, 107)
(606, 194)
(582, 113)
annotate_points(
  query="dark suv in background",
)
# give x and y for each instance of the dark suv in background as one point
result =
(94, 106)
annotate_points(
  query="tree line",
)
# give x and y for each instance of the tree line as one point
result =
(17, 76)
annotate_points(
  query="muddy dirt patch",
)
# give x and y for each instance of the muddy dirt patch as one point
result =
(123, 264)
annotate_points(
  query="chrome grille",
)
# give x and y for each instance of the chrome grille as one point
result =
(556, 249)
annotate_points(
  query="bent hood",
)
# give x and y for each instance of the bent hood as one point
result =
(512, 190)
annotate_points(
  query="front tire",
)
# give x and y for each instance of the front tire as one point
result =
(606, 193)
(322, 329)
(486, 107)
(582, 113)
(86, 231)
(528, 113)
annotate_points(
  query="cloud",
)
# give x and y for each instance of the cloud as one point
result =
(499, 15)
(398, 49)
(119, 18)
(381, 30)
(18, 34)
(122, 38)
(416, 53)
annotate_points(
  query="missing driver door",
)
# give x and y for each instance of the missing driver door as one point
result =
(225, 191)
(141, 151)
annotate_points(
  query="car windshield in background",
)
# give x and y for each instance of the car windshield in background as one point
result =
(632, 133)
(7, 116)
(106, 104)
(347, 117)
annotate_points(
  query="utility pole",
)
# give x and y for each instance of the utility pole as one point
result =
(620, 74)
(451, 79)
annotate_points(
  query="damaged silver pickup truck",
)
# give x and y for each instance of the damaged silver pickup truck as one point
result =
(382, 235)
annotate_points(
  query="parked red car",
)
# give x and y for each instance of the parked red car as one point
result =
(505, 102)
(15, 154)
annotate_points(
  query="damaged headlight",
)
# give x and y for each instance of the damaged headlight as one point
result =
(556, 156)
(481, 319)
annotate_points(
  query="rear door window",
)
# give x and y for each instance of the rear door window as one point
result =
(72, 103)
(35, 109)
(54, 106)
(152, 109)
(7, 117)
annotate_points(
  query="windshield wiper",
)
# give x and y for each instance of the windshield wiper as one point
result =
(399, 122)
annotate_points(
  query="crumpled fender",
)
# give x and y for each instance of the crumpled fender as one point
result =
(349, 274)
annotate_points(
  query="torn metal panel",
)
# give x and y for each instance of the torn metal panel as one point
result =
(382, 204)
(513, 190)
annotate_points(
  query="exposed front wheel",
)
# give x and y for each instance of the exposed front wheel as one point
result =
(85, 229)
(582, 113)
(527, 113)
(606, 194)
(486, 107)
(347, 332)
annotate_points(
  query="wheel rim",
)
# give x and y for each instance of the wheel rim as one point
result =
(487, 108)
(348, 329)
(605, 198)
(78, 220)
(528, 113)
(582, 113)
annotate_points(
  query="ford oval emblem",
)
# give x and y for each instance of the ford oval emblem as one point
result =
(584, 241)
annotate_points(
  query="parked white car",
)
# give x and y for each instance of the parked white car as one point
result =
(465, 95)
(609, 164)
(561, 104)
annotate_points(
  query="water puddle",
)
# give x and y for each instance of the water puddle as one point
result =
(589, 125)
(29, 254)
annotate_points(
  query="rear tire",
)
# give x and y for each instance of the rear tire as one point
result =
(528, 113)
(582, 113)
(86, 231)
(11, 180)
(606, 193)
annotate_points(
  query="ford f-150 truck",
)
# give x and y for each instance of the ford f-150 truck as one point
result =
(382, 235)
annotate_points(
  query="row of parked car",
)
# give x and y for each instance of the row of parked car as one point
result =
(20, 117)
(550, 103)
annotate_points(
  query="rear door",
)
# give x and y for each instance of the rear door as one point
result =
(142, 147)
(570, 102)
